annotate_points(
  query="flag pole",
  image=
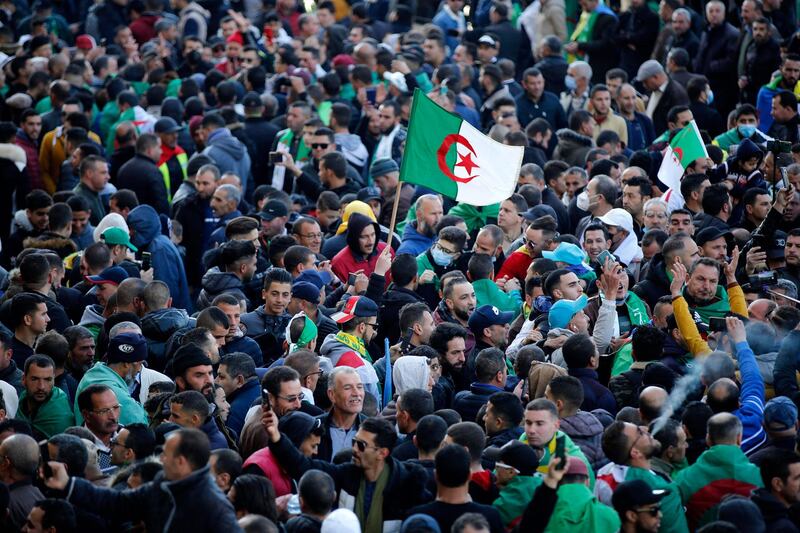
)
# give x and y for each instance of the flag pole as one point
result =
(394, 213)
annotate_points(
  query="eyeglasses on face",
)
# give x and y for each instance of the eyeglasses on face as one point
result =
(446, 250)
(108, 410)
(114, 442)
(321, 146)
(292, 399)
(311, 235)
(362, 445)
(652, 511)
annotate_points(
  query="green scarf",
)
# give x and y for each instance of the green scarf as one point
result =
(637, 312)
(372, 520)
(720, 307)
(324, 112)
(50, 418)
(303, 152)
(355, 344)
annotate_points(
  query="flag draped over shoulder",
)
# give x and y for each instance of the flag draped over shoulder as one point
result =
(686, 147)
(445, 153)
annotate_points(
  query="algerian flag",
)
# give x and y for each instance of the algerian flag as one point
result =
(686, 147)
(445, 153)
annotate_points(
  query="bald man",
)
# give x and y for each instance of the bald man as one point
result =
(761, 309)
(651, 403)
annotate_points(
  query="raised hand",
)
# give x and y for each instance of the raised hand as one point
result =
(678, 278)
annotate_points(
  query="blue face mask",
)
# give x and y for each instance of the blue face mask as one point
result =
(570, 82)
(747, 130)
(710, 96)
(441, 258)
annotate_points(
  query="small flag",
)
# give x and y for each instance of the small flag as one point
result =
(447, 154)
(686, 147)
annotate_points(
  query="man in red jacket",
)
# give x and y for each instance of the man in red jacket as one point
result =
(539, 236)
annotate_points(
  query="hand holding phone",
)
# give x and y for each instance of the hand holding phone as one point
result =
(146, 261)
(561, 453)
(275, 157)
(265, 403)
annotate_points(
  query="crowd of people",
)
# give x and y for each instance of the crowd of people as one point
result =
(221, 308)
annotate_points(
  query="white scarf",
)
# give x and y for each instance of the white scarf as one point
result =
(457, 17)
(384, 148)
(629, 251)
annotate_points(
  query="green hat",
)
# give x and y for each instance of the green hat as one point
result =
(113, 236)
(308, 334)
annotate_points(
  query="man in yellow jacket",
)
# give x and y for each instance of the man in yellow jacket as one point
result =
(53, 149)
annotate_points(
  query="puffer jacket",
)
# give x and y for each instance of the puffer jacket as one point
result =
(194, 503)
(655, 284)
(228, 153)
(350, 259)
(586, 431)
(467, 403)
(572, 147)
(165, 257)
(215, 283)
(414, 242)
(157, 327)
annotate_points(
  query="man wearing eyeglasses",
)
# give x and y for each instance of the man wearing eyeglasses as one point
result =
(638, 506)
(631, 448)
(99, 409)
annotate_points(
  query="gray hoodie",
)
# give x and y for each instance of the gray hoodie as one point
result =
(353, 149)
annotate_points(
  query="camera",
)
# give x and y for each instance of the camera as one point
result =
(768, 278)
(779, 147)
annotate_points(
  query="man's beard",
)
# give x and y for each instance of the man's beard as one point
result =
(463, 314)
(424, 230)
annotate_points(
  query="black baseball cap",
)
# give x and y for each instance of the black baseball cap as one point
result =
(710, 234)
(251, 100)
(273, 209)
(515, 454)
(775, 248)
(167, 125)
(636, 493)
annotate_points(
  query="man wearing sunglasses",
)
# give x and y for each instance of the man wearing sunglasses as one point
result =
(638, 506)
(378, 488)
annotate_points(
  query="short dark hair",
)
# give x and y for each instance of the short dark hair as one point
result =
(295, 256)
(488, 363)
(239, 364)
(58, 514)
(431, 430)
(141, 440)
(452, 466)
(615, 443)
(695, 419)
(411, 314)
(568, 389)
(385, 435)
(715, 197)
(508, 407)
(647, 343)
(125, 198)
(317, 490)
(444, 333)
(228, 462)
(276, 275)
(787, 99)
(578, 351)
(416, 402)
(255, 495)
(86, 396)
(278, 375)
(41, 361)
(480, 266)
(72, 452)
(775, 464)
(667, 434)
(404, 269)
(470, 436)
(336, 163)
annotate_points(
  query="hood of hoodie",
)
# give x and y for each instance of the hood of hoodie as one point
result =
(225, 141)
(216, 281)
(581, 425)
(747, 150)
(356, 225)
(93, 315)
(161, 324)
(771, 507)
(144, 221)
(568, 137)
(333, 349)
(351, 143)
(21, 221)
(657, 271)
(14, 153)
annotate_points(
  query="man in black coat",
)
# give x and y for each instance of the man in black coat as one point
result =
(183, 497)
(552, 65)
(514, 44)
(261, 131)
(401, 293)
(707, 117)
(716, 56)
(141, 175)
(762, 57)
(636, 36)
(600, 47)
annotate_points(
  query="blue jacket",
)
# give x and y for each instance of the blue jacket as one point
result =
(228, 153)
(215, 437)
(246, 345)
(595, 395)
(445, 22)
(467, 403)
(751, 400)
(414, 243)
(764, 106)
(157, 327)
(240, 401)
(641, 132)
(165, 257)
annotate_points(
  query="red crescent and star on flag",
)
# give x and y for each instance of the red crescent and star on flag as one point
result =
(465, 160)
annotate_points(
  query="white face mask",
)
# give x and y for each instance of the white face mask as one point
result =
(582, 202)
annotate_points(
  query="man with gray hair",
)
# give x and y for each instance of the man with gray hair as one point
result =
(664, 93)
(19, 461)
(685, 36)
(141, 174)
(224, 205)
(420, 234)
(341, 423)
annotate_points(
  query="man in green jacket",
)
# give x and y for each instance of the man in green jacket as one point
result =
(721, 470)
(42, 404)
(631, 448)
(125, 354)
(481, 273)
(515, 467)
